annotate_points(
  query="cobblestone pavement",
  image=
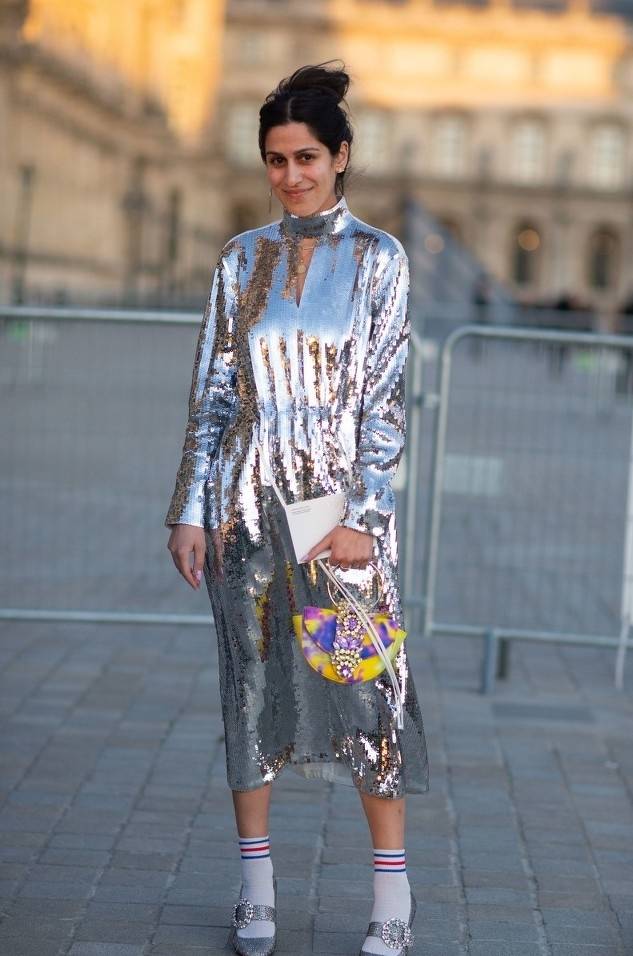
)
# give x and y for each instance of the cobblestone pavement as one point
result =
(117, 829)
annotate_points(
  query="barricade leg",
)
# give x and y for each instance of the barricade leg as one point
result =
(503, 657)
(489, 664)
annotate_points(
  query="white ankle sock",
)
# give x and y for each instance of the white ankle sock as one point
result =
(257, 882)
(391, 896)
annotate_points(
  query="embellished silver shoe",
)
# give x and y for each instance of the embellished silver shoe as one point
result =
(394, 933)
(243, 913)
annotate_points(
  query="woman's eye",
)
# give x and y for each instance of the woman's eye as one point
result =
(307, 157)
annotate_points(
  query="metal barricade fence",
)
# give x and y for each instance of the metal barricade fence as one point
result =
(92, 416)
(530, 527)
(514, 512)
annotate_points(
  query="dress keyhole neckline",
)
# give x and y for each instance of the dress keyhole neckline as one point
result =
(302, 270)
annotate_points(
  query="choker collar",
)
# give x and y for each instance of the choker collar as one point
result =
(323, 223)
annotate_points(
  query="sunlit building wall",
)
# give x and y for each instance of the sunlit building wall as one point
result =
(131, 154)
(110, 189)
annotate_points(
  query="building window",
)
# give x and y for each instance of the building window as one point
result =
(372, 141)
(241, 134)
(607, 156)
(528, 151)
(604, 249)
(526, 254)
(449, 146)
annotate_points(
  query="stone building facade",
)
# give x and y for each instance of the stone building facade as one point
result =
(130, 146)
(512, 125)
(110, 191)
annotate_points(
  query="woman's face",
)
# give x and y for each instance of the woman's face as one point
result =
(301, 169)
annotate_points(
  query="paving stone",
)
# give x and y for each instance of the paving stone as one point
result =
(43, 872)
(502, 930)
(65, 856)
(34, 947)
(144, 861)
(490, 947)
(42, 908)
(492, 861)
(582, 935)
(106, 949)
(435, 930)
(337, 944)
(559, 883)
(588, 901)
(41, 889)
(82, 841)
(116, 876)
(47, 927)
(129, 894)
(603, 919)
(495, 894)
(132, 912)
(189, 935)
(564, 866)
(561, 949)
(115, 931)
(166, 949)
(18, 854)
(473, 877)
(295, 942)
(504, 913)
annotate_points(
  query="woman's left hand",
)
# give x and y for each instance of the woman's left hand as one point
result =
(349, 548)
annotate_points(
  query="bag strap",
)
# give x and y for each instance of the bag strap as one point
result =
(375, 639)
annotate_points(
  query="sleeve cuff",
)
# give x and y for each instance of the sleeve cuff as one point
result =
(361, 518)
(187, 509)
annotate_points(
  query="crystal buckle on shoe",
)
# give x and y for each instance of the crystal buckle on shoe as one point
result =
(243, 912)
(396, 933)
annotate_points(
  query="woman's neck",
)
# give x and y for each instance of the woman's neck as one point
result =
(323, 222)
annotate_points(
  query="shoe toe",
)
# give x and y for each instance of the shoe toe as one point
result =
(257, 946)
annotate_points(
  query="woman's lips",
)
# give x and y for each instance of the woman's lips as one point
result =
(294, 194)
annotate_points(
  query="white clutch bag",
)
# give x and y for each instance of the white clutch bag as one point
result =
(309, 521)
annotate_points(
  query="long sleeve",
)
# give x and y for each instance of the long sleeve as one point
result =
(211, 398)
(382, 427)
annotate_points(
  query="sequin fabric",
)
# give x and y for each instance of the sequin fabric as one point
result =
(320, 383)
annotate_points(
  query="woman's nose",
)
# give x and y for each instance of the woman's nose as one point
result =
(293, 174)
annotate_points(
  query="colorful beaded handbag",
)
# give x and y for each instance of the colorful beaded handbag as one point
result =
(346, 643)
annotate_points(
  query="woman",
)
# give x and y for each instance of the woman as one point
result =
(301, 357)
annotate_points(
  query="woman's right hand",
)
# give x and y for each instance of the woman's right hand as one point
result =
(184, 540)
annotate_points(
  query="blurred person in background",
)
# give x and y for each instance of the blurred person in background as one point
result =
(301, 356)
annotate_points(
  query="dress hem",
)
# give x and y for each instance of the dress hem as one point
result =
(332, 771)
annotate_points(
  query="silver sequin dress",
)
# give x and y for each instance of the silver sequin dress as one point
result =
(303, 379)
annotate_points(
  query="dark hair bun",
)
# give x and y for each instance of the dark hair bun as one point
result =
(334, 81)
(312, 95)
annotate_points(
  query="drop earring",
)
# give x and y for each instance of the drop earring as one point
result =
(270, 200)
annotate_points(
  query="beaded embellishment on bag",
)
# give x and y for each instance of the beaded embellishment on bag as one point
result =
(347, 645)
(336, 644)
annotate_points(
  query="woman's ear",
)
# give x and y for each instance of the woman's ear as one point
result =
(343, 156)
